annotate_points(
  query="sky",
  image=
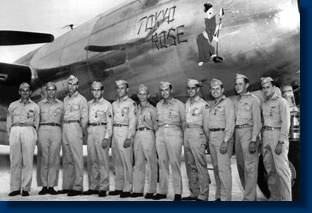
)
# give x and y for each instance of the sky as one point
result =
(45, 16)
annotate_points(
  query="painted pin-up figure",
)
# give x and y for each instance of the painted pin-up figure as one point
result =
(206, 49)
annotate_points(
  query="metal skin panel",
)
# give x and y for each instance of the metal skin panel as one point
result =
(257, 38)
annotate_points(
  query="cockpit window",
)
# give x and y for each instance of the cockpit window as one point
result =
(149, 3)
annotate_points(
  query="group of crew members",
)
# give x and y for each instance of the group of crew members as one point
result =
(140, 134)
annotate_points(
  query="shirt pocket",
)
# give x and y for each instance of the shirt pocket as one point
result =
(74, 107)
(125, 111)
(100, 114)
(274, 111)
(246, 110)
(220, 111)
(30, 113)
(44, 113)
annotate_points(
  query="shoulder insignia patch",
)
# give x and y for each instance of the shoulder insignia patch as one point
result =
(207, 107)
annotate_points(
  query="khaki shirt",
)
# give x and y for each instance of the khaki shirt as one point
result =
(124, 111)
(101, 112)
(247, 111)
(276, 113)
(51, 112)
(172, 113)
(222, 116)
(146, 117)
(76, 108)
(19, 112)
(197, 113)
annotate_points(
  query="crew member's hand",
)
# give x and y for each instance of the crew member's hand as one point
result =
(127, 143)
(105, 143)
(252, 147)
(224, 147)
(279, 148)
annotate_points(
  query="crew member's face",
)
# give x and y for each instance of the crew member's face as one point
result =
(25, 93)
(51, 92)
(72, 87)
(241, 86)
(268, 89)
(122, 90)
(143, 95)
(192, 91)
(166, 92)
(217, 91)
(97, 93)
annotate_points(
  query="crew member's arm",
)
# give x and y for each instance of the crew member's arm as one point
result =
(37, 117)
(229, 119)
(256, 118)
(153, 117)
(9, 119)
(109, 119)
(285, 118)
(132, 120)
(182, 115)
(84, 113)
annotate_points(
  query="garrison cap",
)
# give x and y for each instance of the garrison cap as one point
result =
(192, 82)
(238, 76)
(215, 82)
(96, 85)
(119, 82)
(142, 87)
(24, 85)
(266, 80)
(51, 84)
(164, 85)
(72, 79)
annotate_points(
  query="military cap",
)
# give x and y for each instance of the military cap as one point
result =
(51, 84)
(192, 82)
(72, 79)
(266, 80)
(164, 85)
(119, 82)
(142, 87)
(96, 85)
(215, 82)
(24, 85)
(238, 76)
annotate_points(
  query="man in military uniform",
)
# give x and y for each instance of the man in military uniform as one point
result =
(221, 127)
(75, 121)
(22, 122)
(197, 114)
(247, 129)
(124, 110)
(99, 133)
(276, 116)
(145, 146)
(49, 141)
(169, 140)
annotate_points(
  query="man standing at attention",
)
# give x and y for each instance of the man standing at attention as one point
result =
(145, 146)
(276, 116)
(169, 140)
(22, 122)
(49, 141)
(75, 121)
(99, 133)
(124, 110)
(221, 127)
(247, 129)
(195, 134)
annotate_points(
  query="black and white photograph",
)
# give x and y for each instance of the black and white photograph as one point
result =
(150, 100)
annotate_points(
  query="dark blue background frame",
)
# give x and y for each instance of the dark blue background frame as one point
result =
(304, 205)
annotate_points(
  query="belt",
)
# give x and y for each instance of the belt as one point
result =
(270, 128)
(142, 129)
(50, 124)
(23, 124)
(242, 126)
(119, 125)
(97, 124)
(193, 126)
(71, 121)
(216, 130)
(169, 125)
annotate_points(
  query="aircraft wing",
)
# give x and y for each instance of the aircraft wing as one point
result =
(20, 37)
(14, 74)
